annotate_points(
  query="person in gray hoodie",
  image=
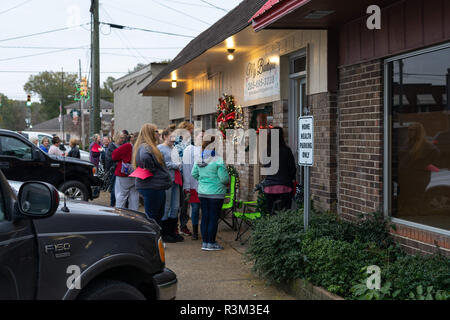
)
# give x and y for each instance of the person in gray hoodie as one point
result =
(170, 218)
(191, 155)
(153, 189)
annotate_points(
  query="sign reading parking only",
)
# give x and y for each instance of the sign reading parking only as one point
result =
(306, 141)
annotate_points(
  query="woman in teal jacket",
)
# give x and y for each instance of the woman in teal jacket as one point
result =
(212, 176)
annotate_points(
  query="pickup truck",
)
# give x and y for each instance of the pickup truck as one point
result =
(20, 160)
(89, 253)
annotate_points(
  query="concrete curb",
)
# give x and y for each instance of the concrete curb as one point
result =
(304, 290)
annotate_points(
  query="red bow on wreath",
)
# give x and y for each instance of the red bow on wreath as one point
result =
(220, 118)
(230, 116)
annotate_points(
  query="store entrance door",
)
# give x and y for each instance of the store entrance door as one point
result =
(297, 104)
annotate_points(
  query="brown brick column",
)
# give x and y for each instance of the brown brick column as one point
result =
(360, 153)
(324, 173)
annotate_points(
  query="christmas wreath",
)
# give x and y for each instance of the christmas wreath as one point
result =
(229, 116)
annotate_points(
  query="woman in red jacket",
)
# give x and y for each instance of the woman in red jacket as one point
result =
(124, 186)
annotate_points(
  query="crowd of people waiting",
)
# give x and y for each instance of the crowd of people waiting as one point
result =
(169, 186)
(199, 179)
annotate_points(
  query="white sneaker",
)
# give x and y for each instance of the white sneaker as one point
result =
(214, 247)
(205, 246)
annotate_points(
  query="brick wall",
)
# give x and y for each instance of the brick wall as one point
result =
(324, 173)
(360, 155)
(246, 179)
(360, 141)
(416, 241)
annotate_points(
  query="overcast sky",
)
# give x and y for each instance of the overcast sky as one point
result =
(120, 50)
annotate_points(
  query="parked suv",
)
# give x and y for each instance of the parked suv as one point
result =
(21, 160)
(89, 253)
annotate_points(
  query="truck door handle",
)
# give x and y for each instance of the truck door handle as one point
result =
(4, 165)
(55, 165)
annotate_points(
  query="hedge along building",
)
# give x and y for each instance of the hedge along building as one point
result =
(203, 74)
(392, 121)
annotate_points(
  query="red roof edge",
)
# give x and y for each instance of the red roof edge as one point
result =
(267, 6)
(272, 11)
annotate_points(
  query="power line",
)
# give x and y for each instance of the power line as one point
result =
(213, 5)
(127, 55)
(41, 53)
(123, 39)
(189, 4)
(12, 8)
(87, 45)
(151, 18)
(28, 71)
(44, 32)
(181, 12)
(118, 26)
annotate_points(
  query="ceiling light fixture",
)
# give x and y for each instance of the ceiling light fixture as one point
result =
(230, 55)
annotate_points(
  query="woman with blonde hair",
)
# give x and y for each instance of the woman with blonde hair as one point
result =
(170, 218)
(146, 155)
(74, 150)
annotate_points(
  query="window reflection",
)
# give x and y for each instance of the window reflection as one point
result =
(420, 158)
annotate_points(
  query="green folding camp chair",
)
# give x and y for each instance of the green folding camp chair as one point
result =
(229, 205)
(246, 214)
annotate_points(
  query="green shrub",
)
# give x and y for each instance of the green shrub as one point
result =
(409, 272)
(332, 253)
(275, 246)
(335, 265)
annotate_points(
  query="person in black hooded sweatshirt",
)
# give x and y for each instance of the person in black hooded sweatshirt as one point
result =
(279, 186)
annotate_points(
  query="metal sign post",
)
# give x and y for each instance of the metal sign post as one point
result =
(306, 159)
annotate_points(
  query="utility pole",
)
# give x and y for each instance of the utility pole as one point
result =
(95, 122)
(81, 109)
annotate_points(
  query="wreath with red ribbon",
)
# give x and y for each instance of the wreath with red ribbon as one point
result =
(228, 114)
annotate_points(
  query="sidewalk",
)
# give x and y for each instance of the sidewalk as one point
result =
(217, 275)
(214, 275)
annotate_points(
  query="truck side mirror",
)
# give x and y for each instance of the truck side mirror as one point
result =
(37, 200)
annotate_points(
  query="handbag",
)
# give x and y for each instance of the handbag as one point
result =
(126, 168)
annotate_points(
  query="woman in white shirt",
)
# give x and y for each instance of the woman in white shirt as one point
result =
(54, 148)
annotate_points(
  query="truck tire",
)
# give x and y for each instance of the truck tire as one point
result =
(75, 190)
(111, 290)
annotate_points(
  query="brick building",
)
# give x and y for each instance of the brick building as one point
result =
(388, 116)
(379, 98)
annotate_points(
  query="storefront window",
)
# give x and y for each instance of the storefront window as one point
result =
(420, 145)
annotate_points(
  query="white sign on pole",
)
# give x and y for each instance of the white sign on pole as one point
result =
(306, 141)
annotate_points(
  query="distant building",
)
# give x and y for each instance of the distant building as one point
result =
(73, 121)
(131, 109)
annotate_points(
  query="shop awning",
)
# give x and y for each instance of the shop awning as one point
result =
(311, 14)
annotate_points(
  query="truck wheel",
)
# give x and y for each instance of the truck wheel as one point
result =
(111, 290)
(75, 190)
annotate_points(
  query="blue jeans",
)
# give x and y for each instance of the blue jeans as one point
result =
(172, 203)
(210, 217)
(154, 202)
(113, 195)
(195, 212)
